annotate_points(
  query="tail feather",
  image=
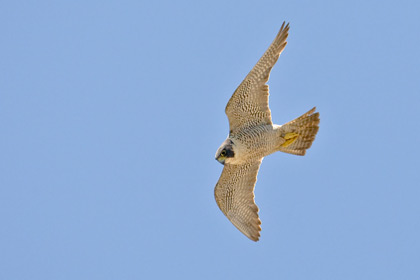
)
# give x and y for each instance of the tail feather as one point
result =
(298, 135)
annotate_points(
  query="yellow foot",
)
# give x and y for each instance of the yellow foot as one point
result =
(290, 138)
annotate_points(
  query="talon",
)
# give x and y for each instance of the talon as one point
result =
(290, 138)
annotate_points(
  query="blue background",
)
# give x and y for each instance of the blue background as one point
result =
(111, 113)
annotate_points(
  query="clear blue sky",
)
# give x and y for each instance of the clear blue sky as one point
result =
(111, 113)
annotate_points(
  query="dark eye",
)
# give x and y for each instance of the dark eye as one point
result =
(223, 153)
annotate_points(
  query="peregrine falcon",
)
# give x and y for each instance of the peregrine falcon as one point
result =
(252, 136)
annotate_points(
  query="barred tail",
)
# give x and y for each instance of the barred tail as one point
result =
(297, 136)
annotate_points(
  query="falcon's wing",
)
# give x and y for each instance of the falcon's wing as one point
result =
(249, 103)
(234, 193)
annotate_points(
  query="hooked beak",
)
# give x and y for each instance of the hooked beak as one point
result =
(221, 160)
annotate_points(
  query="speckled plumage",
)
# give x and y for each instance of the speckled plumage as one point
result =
(253, 136)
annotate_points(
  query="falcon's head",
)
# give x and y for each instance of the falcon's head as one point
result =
(225, 152)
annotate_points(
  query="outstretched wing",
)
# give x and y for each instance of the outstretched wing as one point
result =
(248, 105)
(234, 193)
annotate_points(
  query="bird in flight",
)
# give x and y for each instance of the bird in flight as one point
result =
(252, 136)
